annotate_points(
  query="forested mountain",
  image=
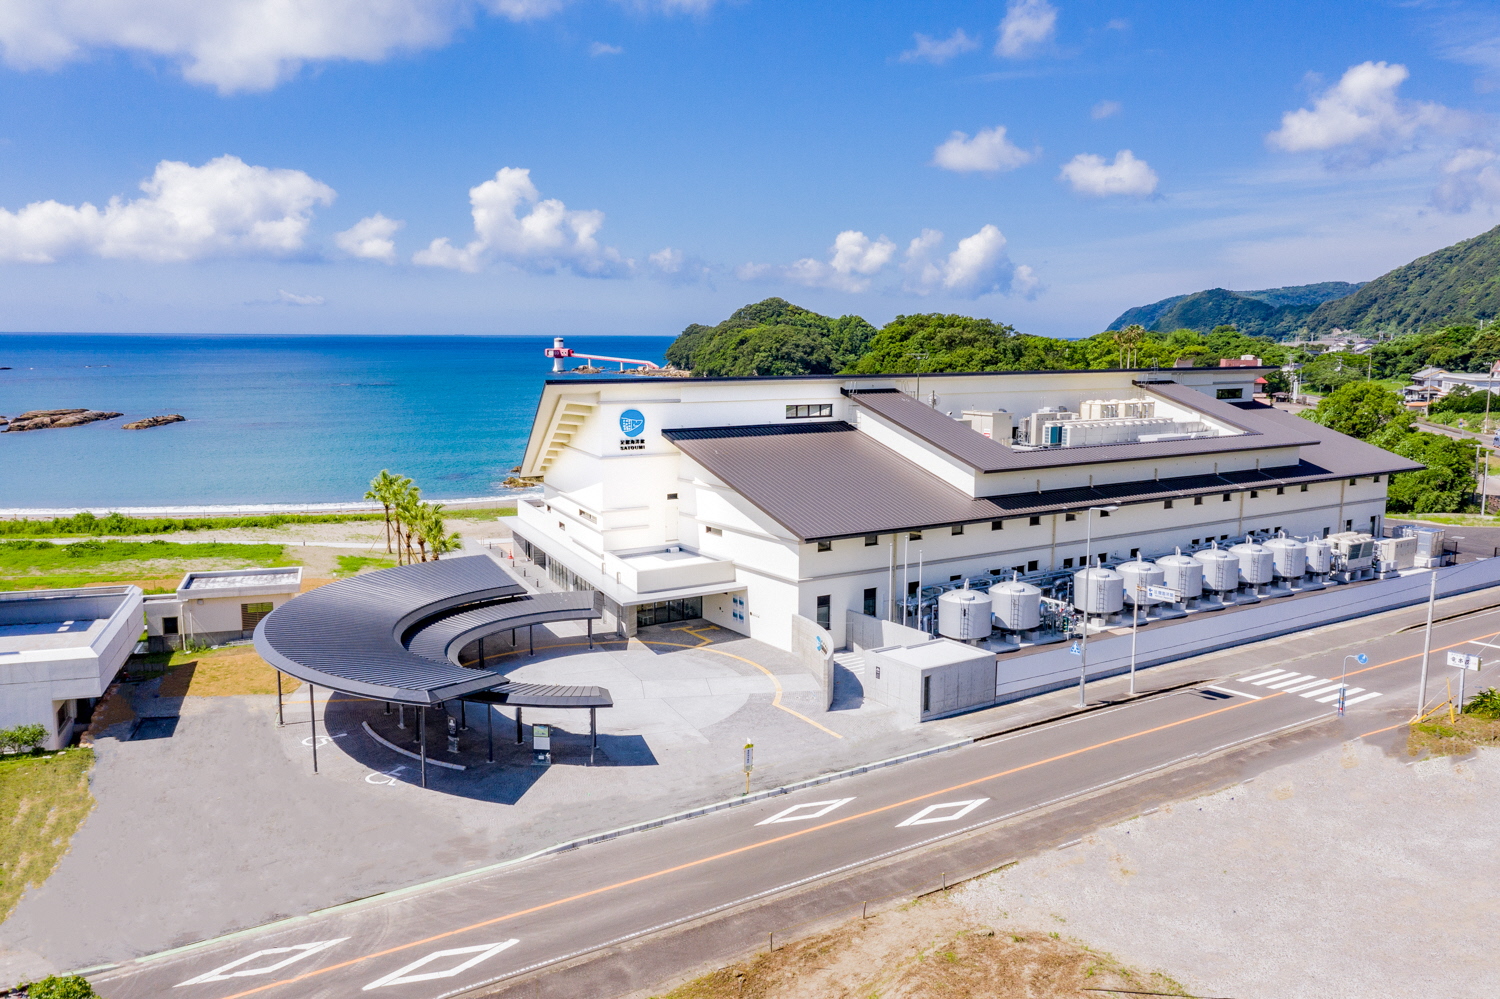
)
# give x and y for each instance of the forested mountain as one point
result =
(1459, 283)
(1274, 312)
(773, 337)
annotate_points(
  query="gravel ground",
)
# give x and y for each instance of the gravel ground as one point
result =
(1350, 874)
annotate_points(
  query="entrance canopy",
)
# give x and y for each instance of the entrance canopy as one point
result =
(395, 635)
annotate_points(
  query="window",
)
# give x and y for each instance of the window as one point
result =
(1104, 513)
(824, 611)
(668, 611)
(1031, 566)
(1238, 393)
(671, 495)
(1020, 568)
(717, 532)
(914, 536)
(1255, 494)
(1067, 563)
(1353, 481)
(561, 526)
(1195, 541)
(588, 516)
(997, 525)
(1348, 525)
(1070, 517)
(1036, 522)
(1281, 490)
(809, 412)
(62, 717)
(1374, 478)
(958, 528)
(1304, 487)
(1166, 504)
(1197, 501)
(1223, 537)
(825, 546)
(927, 692)
(1135, 553)
(252, 614)
(169, 626)
(954, 579)
(911, 588)
(871, 540)
(870, 602)
(1226, 497)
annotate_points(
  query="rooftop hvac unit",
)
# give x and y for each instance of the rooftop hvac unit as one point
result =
(1044, 427)
(1183, 573)
(1320, 556)
(964, 615)
(1098, 591)
(1255, 563)
(1221, 570)
(1017, 605)
(1401, 551)
(1429, 540)
(1288, 557)
(1117, 409)
(1137, 576)
(1356, 549)
(994, 424)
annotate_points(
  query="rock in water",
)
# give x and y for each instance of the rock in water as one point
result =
(43, 419)
(155, 421)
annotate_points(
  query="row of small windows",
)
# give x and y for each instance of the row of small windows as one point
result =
(997, 525)
(809, 412)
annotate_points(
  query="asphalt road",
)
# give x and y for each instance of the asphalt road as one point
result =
(477, 932)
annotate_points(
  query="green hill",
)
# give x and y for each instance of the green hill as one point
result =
(1456, 284)
(773, 337)
(1273, 312)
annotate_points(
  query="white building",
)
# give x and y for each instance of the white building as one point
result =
(211, 608)
(62, 647)
(1434, 383)
(750, 500)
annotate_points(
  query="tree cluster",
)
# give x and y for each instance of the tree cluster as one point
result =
(414, 529)
(773, 337)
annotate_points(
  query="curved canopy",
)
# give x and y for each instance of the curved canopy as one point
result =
(394, 635)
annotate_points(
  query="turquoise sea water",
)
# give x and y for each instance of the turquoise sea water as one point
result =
(273, 419)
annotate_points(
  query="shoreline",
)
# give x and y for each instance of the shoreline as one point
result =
(209, 510)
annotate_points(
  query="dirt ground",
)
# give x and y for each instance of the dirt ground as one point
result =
(225, 672)
(929, 948)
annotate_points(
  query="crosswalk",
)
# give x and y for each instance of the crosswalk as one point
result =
(1316, 688)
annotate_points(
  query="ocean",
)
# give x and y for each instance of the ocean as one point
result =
(273, 419)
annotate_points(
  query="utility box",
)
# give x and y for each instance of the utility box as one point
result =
(930, 679)
(994, 424)
(1401, 551)
(541, 745)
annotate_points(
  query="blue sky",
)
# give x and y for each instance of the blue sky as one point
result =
(630, 166)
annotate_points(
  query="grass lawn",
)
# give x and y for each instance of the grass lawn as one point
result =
(26, 564)
(350, 564)
(1450, 519)
(225, 672)
(43, 801)
(116, 525)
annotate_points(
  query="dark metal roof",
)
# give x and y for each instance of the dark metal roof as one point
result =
(960, 441)
(537, 695)
(828, 480)
(394, 634)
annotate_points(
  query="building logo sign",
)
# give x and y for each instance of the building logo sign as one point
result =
(632, 424)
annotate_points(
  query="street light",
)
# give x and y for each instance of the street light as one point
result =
(1088, 543)
(1361, 658)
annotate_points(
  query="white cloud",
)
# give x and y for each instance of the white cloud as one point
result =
(289, 298)
(370, 239)
(854, 259)
(223, 208)
(939, 51)
(603, 49)
(549, 237)
(239, 45)
(1361, 117)
(978, 266)
(1028, 25)
(1106, 109)
(667, 260)
(1089, 174)
(1470, 177)
(989, 151)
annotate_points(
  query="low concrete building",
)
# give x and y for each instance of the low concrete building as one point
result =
(212, 608)
(930, 679)
(59, 650)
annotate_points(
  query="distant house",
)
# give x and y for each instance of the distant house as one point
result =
(60, 650)
(216, 607)
(1243, 361)
(1434, 383)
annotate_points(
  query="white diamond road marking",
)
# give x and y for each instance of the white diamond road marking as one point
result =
(404, 976)
(298, 952)
(796, 814)
(930, 814)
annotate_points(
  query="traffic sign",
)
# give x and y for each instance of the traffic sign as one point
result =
(749, 757)
(1459, 660)
(1075, 650)
(1166, 593)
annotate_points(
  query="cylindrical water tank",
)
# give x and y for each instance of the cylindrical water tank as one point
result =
(1183, 574)
(1320, 555)
(1098, 591)
(1256, 564)
(1288, 557)
(1221, 569)
(964, 615)
(1137, 576)
(1018, 605)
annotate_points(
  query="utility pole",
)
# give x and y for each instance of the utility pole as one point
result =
(1088, 559)
(1426, 647)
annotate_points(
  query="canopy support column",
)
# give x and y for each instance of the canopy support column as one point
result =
(280, 719)
(593, 734)
(518, 726)
(312, 724)
(591, 633)
(489, 716)
(531, 639)
(422, 728)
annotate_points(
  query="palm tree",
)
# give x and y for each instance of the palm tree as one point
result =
(383, 490)
(408, 515)
(434, 536)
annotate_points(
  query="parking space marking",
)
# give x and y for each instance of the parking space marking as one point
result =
(298, 952)
(819, 809)
(387, 777)
(404, 976)
(948, 811)
(324, 740)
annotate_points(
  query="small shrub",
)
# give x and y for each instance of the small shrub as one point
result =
(23, 738)
(1485, 704)
(64, 987)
